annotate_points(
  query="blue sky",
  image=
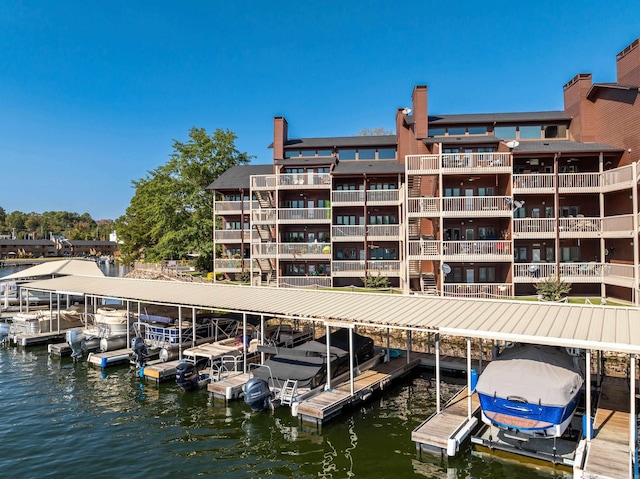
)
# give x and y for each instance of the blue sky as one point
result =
(93, 93)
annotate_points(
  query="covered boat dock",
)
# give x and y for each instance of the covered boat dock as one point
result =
(587, 327)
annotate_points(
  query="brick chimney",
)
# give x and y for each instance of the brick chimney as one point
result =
(280, 136)
(628, 65)
(579, 109)
(420, 111)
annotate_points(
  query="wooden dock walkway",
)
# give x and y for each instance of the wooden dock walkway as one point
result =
(160, 371)
(608, 452)
(230, 387)
(37, 339)
(451, 424)
(328, 404)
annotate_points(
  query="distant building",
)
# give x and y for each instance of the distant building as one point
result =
(57, 246)
(478, 205)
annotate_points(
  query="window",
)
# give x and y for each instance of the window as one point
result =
(505, 132)
(555, 131)
(477, 130)
(436, 131)
(530, 132)
(308, 153)
(457, 130)
(570, 253)
(386, 153)
(366, 154)
(486, 274)
(347, 154)
(325, 152)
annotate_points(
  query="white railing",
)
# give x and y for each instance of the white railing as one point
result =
(304, 250)
(347, 198)
(304, 281)
(232, 264)
(423, 206)
(477, 250)
(478, 205)
(263, 182)
(477, 290)
(307, 180)
(459, 163)
(233, 235)
(369, 267)
(228, 207)
(577, 182)
(579, 225)
(389, 232)
(264, 250)
(263, 216)
(383, 197)
(583, 272)
(619, 274)
(534, 227)
(424, 249)
(619, 178)
(617, 225)
(537, 183)
(347, 233)
(303, 215)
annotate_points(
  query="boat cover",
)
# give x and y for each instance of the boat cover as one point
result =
(306, 363)
(536, 373)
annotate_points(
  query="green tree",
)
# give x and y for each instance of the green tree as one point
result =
(170, 215)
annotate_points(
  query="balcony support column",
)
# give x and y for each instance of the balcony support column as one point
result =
(634, 198)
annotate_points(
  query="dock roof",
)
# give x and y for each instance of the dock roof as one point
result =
(583, 326)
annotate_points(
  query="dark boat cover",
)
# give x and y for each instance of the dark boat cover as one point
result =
(307, 363)
(542, 374)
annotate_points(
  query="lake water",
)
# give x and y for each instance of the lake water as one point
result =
(64, 419)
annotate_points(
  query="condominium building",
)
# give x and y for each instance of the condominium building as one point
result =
(475, 205)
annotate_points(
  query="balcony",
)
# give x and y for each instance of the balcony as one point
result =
(591, 272)
(359, 269)
(304, 251)
(303, 181)
(232, 265)
(485, 250)
(477, 290)
(373, 198)
(263, 182)
(423, 207)
(538, 228)
(383, 233)
(424, 250)
(304, 215)
(477, 206)
(620, 226)
(234, 207)
(618, 179)
(458, 163)
(263, 216)
(234, 236)
(544, 183)
(264, 250)
(347, 233)
(304, 282)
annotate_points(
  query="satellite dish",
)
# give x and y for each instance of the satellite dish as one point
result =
(512, 144)
(518, 204)
(406, 111)
(533, 268)
(446, 269)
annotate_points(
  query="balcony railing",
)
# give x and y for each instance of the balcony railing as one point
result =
(617, 226)
(424, 250)
(477, 206)
(304, 250)
(584, 272)
(483, 250)
(347, 233)
(347, 198)
(617, 179)
(263, 216)
(361, 268)
(234, 207)
(423, 207)
(303, 180)
(264, 250)
(232, 265)
(304, 215)
(383, 232)
(233, 236)
(459, 163)
(383, 197)
(304, 281)
(263, 182)
(477, 290)
(546, 227)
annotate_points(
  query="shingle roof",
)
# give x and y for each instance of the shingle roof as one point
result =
(486, 118)
(340, 142)
(597, 87)
(369, 167)
(239, 176)
(562, 146)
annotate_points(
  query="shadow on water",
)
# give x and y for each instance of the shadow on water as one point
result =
(63, 418)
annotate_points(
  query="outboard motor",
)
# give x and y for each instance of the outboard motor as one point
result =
(75, 339)
(257, 394)
(140, 351)
(187, 376)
